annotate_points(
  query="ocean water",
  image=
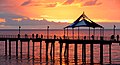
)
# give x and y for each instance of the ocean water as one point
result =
(13, 61)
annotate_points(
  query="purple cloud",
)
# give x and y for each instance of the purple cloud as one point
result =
(26, 3)
(91, 3)
(68, 2)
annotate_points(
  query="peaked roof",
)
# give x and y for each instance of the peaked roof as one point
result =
(83, 22)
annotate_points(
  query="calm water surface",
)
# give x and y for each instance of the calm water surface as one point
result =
(24, 61)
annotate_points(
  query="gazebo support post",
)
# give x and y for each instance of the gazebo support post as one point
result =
(89, 33)
(67, 32)
(73, 32)
(94, 31)
(78, 32)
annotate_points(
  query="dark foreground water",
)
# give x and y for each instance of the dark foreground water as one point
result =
(3, 61)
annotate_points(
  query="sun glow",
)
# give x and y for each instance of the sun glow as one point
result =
(2, 20)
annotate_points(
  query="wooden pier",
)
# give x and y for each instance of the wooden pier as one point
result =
(62, 40)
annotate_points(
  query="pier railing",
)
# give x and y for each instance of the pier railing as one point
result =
(57, 37)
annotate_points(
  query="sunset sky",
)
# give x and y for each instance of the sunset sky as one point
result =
(61, 10)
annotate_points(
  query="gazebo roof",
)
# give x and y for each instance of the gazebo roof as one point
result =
(83, 22)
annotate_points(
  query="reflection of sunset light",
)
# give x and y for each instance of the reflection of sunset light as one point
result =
(2, 20)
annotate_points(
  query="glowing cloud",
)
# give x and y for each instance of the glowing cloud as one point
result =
(91, 3)
(68, 2)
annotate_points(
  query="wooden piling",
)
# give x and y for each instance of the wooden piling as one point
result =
(6, 48)
(61, 44)
(75, 53)
(9, 49)
(17, 49)
(41, 51)
(47, 45)
(84, 53)
(91, 54)
(101, 53)
(53, 51)
(110, 53)
(67, 51)
(21, 49)
(33, 49)
(28, 50)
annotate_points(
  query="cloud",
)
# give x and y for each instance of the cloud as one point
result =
(91, 3)
(26, 3)
(52, 5)
(31, 23)
(68, 2)
(6, 15)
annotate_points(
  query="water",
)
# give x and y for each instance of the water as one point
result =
(25, 61)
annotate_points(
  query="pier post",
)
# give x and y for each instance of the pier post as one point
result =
(9, 49)
(17, 49)
(110, 53)
(47, 45)
(91, 48)
(33, 49)
(61, 44)
(6, 48)
(67, 51)
(21, 49)
(101, 53)
(84, 53)
(53, 51)
(75, 53)
(28, 50)
(40, 51)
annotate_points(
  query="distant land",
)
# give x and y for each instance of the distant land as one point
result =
(27, 23)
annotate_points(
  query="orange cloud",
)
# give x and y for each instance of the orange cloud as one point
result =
(52, 5)
(68, 2)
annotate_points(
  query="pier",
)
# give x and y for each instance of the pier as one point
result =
(8, 39)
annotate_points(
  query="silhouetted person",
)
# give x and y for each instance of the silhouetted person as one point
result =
(36, 35)
(92, 37)
(64, 36)
(18, 35)
(112, 37)
(32, 35)
(84, 37)
(54, 36)
(26, 36)
(41, 36)
(117, 37)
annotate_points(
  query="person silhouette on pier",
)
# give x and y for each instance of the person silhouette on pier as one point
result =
(117, 37)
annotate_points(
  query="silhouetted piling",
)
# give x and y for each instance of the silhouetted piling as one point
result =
(110, 53)
(67, 51)
(40, 51)
(53, 51)
(91, 54)
(101, 53)
(6, 48)
(17, 49)
(21, 49)
(84, 53)
(61, 44)
(28, 50)
(101, 50)
(9, 49)
(33, 49)
(47, 45)
(75, 53)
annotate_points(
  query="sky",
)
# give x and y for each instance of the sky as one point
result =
(60, 10)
